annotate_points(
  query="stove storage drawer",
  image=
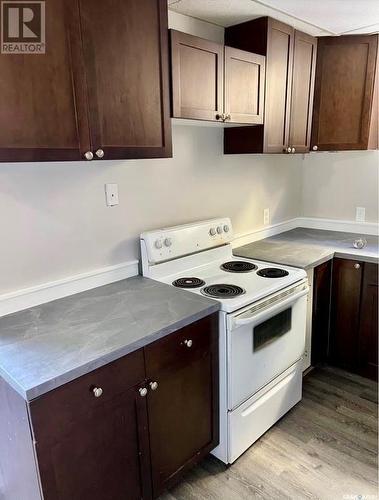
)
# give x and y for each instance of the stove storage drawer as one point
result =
(255, 416)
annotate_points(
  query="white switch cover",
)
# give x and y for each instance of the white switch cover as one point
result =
(111, 194)
(360, 214)
(266, 216)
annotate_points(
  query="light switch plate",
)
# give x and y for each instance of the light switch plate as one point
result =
(360, 214)
(111, 194)
(266, 216)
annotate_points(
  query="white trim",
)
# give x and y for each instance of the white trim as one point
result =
(264, 232)
(36, 295)
(371, 228)
(348, 226)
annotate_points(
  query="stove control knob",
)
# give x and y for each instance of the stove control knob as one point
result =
(158, 244)
(226, 228)
(168, 242)
(219, 229)
(212, 231)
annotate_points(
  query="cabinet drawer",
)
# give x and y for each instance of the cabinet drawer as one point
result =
(181, 347)
(53, 411)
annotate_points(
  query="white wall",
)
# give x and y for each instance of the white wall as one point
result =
(334, 184)
(54, 222)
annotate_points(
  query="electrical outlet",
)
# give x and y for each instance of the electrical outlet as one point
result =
(266, 216)
(360, 214)
(111, 194)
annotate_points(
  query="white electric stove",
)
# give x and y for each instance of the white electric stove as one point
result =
(262, 323)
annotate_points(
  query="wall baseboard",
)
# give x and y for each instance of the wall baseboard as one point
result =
(364, 228)
(348, 226)
(264, 232)
(36, 295)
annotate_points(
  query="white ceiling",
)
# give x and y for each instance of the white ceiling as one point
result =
(317, 17)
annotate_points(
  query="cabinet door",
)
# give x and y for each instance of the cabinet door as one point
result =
(368, 327)
(94, 448)
(279, 63)
(125, 45)
(322, 282)
(197, 77)
(346, 296)
(183, 410)
(42, 107)
(304, 68)
(343, 92)
(244, 86)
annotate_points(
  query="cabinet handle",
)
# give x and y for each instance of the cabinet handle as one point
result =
(143, 392)
(88, 156)
(100, 153)
(288, 150)
(220, 117)
(153, 386)
(228, 117)
(357, 266)
(97, 392)
(293, 150)
(188, 343)
(315, 148)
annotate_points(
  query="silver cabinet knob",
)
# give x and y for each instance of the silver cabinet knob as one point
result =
(100, 153)
(293, 150)
(168, 242)
(289, 150)
(315, 148)
(158, 244)
(97, 392)
(143, 392)
(212, 231)
(153, 386)
(226, 228)
(357, 266)
(88, 156)
(219, 230)
(188, 342)
(220, 116)
(228, 116)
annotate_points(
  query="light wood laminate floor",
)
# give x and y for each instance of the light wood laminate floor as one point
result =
(324, 448)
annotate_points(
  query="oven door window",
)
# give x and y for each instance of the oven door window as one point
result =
(271, 329)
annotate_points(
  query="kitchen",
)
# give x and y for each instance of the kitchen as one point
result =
(229, 143)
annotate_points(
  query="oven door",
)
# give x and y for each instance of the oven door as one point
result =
(264, 340)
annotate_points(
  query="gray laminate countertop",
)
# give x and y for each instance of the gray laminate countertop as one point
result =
(49, 345)
(307, 248)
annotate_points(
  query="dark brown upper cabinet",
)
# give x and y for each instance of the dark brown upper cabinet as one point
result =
(290, 62)
(42, 107)
(210, 82)
(303, 78)
(344, 89)
(100, 91)
(244, 86)
(197, 77)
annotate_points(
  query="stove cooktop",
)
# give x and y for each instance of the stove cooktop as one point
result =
(252, 281)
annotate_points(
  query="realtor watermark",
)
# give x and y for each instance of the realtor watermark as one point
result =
(23, 27)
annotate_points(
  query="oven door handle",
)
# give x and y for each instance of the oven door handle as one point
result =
(269, 311)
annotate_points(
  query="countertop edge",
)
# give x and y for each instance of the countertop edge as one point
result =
(28, 394)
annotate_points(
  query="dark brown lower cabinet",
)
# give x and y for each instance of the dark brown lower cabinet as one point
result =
(354, 317)
(183, 416)
(322, 282)
(368, 325)
(122, 432)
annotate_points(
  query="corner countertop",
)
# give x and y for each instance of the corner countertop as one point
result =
(307, 248)
(49, 345)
